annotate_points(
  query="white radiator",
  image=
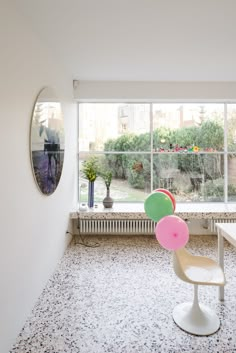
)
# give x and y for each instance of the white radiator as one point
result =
(214, 221)
(129, 226)
(125, 226)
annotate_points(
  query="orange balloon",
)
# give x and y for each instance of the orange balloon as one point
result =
(168, 193)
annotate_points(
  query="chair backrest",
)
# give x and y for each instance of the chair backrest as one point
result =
(180, 258)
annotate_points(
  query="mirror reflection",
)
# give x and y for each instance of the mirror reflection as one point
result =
(47, 141)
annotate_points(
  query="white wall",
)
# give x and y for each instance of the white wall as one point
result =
(132, 91)
(140, 40)
(33, 226)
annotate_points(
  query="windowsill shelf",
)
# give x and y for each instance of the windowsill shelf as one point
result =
(136, 211)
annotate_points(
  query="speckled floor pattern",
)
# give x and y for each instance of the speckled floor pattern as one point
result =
(119, 298)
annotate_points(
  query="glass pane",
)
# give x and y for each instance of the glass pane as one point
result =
(190, 177)
(232, 177)
(114, 127)
(131, 177)
(231, 124)
(179, 127)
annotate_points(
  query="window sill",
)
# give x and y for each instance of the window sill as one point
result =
(136, 211)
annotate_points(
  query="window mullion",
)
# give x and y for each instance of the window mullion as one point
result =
(225, 154)
(151, 142)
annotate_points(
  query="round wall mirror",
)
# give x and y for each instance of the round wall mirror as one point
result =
(47, 141)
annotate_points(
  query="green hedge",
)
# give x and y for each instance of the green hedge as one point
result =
(209, 134)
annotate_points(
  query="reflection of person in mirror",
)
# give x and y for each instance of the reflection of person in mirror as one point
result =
(51, 148)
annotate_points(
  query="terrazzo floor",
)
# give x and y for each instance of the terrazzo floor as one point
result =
(119, 298)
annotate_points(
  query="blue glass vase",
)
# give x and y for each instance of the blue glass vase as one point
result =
(91, 194)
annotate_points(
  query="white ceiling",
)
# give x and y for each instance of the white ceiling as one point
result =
(143, 40)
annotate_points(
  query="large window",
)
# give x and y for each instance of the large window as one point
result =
(189, 149)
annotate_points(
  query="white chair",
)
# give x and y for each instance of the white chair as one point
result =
(193, 317)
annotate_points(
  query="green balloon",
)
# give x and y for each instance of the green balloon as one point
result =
(158, 205)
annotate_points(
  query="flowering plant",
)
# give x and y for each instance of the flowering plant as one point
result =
(90, 168)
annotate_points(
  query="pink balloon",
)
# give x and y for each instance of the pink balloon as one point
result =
(172, 232)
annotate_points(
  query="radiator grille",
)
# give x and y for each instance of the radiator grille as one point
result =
(214, 221)
(129, 226)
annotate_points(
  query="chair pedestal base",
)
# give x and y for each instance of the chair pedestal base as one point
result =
(196, 319)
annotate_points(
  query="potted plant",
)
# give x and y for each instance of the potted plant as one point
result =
(90, 172)
(107, 177)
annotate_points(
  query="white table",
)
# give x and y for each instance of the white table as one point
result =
(227, 231)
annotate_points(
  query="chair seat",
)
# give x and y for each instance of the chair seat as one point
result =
(198, 269)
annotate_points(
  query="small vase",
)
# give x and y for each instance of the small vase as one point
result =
(108, 201)
(91, 194)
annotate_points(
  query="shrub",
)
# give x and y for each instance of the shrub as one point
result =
(214, 189)
(208, 134)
